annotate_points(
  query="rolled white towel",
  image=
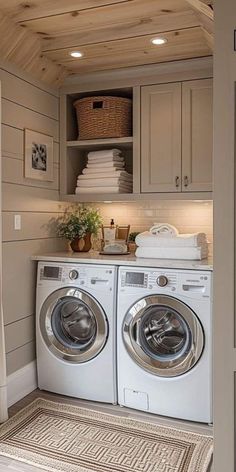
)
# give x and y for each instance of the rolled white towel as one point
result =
(148, 239)
(105, 153)
(188, 253)
(164, 229)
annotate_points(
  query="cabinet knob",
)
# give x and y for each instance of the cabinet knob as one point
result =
(186, 181)
(177, 181)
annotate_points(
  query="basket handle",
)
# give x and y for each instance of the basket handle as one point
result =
(97, 104)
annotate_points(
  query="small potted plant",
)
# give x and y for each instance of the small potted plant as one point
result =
(131, 241)
(78, 225)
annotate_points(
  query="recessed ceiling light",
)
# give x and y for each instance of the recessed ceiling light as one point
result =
(159, 41)
(76, 54)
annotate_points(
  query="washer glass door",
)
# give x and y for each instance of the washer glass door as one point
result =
(73, 325)
(163, 336)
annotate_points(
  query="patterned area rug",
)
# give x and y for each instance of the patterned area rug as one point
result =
(61, 437)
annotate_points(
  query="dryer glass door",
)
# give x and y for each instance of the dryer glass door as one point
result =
(163, 335)
(73, 325)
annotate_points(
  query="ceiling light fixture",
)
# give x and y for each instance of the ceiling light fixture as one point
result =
(76, 54)
(158, 41)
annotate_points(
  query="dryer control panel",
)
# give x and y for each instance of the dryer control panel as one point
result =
(195, 284)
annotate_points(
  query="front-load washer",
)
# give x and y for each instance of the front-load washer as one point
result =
(164, 330)
(76, 330)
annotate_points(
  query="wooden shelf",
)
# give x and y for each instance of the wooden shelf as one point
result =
(93, 143)
(128, 197)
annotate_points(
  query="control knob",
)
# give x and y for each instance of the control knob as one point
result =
(73, 274)
(162, 281)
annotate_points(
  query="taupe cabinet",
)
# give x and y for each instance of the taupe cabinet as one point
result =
(176, 137)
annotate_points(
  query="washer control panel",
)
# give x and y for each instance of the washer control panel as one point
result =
(84, 276)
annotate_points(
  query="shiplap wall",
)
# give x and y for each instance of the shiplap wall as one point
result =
(25, 104)
(187, 216)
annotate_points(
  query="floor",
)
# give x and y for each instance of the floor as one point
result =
(9, 465)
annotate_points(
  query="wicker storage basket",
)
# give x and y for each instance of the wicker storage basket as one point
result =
(104, 117)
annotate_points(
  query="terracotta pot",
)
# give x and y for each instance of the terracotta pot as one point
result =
(81, 244)
(132, 246)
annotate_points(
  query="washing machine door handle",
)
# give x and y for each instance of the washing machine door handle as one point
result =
(136, 332)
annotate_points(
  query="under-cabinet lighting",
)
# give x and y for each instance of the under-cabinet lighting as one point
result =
(107, 201)
(158, 41)
(76, 54)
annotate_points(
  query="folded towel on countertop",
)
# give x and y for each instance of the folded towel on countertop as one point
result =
(105, 175)
(188, 253)
(147, 239)
(105, 153)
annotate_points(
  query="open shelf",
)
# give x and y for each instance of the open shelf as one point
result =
(127, 197)
(96, 143)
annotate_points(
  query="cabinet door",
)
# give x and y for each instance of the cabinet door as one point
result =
(197, 135)
(161, 138)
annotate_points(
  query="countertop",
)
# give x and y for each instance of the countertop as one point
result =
(94, 257)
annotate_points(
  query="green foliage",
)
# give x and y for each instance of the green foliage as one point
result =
(132, 236)
(75, 223)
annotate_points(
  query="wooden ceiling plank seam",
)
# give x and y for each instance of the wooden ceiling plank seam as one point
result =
(19, 12)
(209, 38)
(207, 2)
(9, 38)
(109, 48)
(135, 52)
(47, 71)
(116, 14)
(178, 21)
(120, 40)
(75, 11)
(206, 23)
(131, 64)
(21, 46)
(202, 8)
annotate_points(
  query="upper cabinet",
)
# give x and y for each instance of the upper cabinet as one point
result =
(169, 152)
(161, 138)
(176, 137)
(197, 135)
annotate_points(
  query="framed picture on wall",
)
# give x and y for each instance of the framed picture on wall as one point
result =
(38, 156)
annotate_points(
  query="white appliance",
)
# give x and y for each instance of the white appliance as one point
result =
(76, 330)
(165, 342)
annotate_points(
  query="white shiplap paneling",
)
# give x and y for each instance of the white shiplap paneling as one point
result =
(25, 105)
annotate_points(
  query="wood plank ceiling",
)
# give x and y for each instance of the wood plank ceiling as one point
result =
(39, 35)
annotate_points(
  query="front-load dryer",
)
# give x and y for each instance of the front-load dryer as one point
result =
(76, 330)
(164, 330)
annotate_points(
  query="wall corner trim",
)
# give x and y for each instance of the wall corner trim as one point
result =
(21, 383)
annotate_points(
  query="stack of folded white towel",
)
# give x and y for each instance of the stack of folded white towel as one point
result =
(105, 173)
(163, 241)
